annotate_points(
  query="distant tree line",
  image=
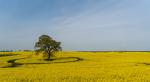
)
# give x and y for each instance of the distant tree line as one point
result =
(6, 50)
(15, 50)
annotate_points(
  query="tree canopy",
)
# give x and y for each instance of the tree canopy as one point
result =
(47, 46)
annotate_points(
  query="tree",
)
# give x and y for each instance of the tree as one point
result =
(47, 46)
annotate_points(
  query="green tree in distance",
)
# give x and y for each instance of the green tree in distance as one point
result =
(47, 46)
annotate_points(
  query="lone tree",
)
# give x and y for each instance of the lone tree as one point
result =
(47, 46)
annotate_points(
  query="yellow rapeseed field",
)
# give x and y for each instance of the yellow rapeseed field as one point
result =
(75, 67)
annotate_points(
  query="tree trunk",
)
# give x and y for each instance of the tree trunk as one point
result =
(49, 56)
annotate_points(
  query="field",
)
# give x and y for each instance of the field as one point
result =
(75, 67)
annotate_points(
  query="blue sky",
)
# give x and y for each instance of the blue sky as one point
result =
(78, 24)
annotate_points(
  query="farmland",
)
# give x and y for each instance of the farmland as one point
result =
(75, 67)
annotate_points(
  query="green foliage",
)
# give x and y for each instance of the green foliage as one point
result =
(47, 46)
